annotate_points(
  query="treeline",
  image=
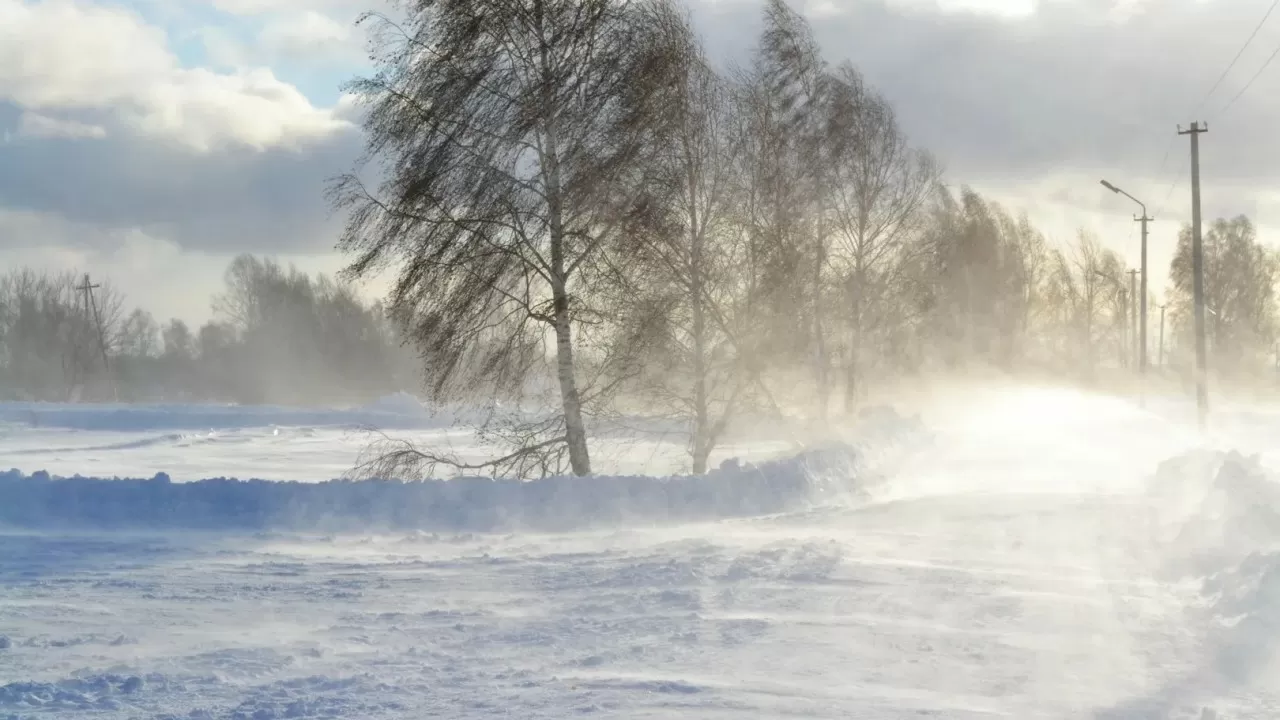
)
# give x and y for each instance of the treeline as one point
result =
(579, 205)
(278, 336)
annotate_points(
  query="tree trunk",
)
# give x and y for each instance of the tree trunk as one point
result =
(702, 414)
(701, 424)
(855, 349)
(701, 449)
(819, 332)
(571, 400)
(575, 430)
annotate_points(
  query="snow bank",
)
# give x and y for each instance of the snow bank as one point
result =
(1219, 515)
(399, 411)
(1214, 508)
(480, 504)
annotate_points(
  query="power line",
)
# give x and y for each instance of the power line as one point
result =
(1256, 75)
(1182, 172)
(1240, 52)
(1167, 148)
(1218, 83)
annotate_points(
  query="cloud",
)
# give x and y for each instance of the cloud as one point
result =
(113, 128)
(1087, 84)
(262, 7)
(62, 55)
(1034, 107)
(42, 126)
(239, 199)
(309, 33)
(104, 129)
(293, 34)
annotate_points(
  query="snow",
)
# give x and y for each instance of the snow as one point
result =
(1022, 553)
(394, 412)
(480, 504)
(194, 442)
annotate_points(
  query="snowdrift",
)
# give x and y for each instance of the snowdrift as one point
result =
(1218, 514)
(478, 504)
(1215, 508)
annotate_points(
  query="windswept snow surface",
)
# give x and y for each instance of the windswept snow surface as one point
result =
(193, 442)
(1027, 554)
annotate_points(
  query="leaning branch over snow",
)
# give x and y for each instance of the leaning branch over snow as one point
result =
(536, 455)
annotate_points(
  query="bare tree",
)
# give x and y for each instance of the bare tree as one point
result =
(512, 134)
(795, 88)
(1085, 285)
(879, 187)
(1240, 276)
(680, 288)
(139, 335)
(177, 340)
(51, 336)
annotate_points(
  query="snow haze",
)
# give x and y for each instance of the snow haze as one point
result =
(1013, 552)
(664, 359)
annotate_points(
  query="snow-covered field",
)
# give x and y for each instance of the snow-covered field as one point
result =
(1019, 553)
(277, 443)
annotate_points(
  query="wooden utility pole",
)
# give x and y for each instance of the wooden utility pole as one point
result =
(91, 305)
(1197, 276)
(1133, 313)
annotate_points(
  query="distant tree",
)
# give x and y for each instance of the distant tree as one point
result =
(1085, 287)
(139, 335)
(1240, 276)
(177, 340)
(52, 348)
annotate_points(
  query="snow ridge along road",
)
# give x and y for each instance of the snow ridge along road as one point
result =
(1044, 554)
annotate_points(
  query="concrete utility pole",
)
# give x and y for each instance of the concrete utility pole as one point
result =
(1125, 356)
(1142, 312)
(1133, 312)
(1197, 276)
(1160, 358)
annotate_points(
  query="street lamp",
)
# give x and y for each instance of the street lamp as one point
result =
(1142, 352)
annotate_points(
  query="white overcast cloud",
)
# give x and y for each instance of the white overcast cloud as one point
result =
(59, 56)
(122, 153)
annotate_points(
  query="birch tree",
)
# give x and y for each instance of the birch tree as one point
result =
(682, 286)
(781, 95)
(512, 136)
(879, 187)
(797, 86)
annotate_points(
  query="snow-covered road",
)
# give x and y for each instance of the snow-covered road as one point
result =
(1029, 562)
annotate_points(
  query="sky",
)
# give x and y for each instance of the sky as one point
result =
(150, 141)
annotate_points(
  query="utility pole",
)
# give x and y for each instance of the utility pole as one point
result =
(1125, 357)
(90, 304)
(1197, 276)
(1142, 311)
(1142, 300)
(1133, 313)
(1161, 356)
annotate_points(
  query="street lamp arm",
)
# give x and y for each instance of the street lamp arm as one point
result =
(1115, 189)
(1140, 203)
